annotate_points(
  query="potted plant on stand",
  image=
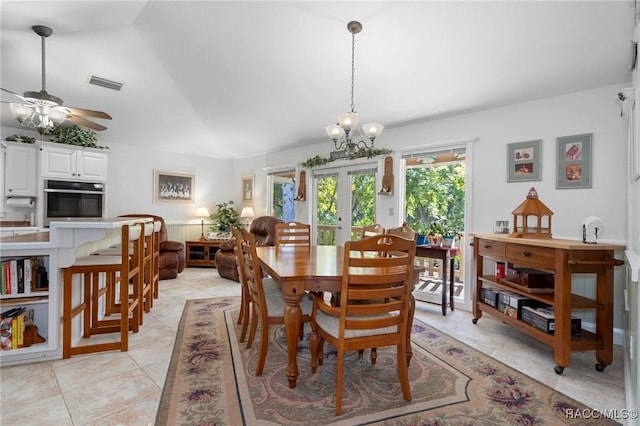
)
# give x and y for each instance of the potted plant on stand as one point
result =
(450, 237)
(225, 217)
(435, 233)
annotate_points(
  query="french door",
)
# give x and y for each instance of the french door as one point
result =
(344, 201)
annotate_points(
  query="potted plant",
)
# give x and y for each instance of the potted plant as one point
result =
(450, 236)
(226, 217)
(435, 233)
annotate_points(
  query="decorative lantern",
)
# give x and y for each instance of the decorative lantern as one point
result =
(532, 219)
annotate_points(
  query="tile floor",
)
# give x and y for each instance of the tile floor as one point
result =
(124, 388)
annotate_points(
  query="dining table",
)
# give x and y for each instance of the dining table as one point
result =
(306, 269)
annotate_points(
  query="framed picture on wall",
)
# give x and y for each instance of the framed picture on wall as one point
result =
(573, 168)
(523, 161)
(173, 187)
(247, 188)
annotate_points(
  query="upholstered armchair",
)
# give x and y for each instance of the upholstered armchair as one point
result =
(172, 255)
(264, 230)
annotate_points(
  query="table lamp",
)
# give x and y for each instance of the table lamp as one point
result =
(202, 212)
(248, 214)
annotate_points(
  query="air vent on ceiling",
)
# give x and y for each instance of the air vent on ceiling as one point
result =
(109, 84)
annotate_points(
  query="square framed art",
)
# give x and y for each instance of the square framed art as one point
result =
(573, 158)
(173, 187)
(523, 161)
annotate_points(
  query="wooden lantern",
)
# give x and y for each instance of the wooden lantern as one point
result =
(532, 219)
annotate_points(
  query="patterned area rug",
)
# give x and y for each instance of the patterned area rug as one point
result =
(211, 381)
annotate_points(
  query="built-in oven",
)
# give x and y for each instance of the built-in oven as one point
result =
(66, 199)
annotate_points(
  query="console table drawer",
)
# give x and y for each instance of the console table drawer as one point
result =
(519, 253)
(491, 248)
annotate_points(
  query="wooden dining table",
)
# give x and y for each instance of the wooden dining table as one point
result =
(302, 269)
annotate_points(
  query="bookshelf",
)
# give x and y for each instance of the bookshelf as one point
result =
(42, 301)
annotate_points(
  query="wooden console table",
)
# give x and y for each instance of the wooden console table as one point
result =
(202, 252)
(563, 258)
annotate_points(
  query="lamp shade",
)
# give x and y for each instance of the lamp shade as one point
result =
(57, 116)
(202, 212)
(348, 120)
(247, 212)
(334, 131)
(372, 130)
(20, 112)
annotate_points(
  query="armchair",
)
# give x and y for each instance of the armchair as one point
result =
(172, 255)
(264, 230)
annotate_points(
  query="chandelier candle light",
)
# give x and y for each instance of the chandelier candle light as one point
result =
(202, 212)
(342, 132)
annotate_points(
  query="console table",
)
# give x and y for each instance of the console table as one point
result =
(563, 258)
(447, 256)
(202, 252)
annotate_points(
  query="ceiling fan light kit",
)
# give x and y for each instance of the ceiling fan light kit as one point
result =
(342, 133)
(42, 111)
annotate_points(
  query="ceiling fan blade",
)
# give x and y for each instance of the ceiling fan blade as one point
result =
(87, 112)
(13, 93)
(83, 122)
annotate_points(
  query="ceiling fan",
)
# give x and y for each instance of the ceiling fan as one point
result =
(42, 111)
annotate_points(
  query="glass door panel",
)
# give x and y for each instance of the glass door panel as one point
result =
(326, 214)
(345, 200)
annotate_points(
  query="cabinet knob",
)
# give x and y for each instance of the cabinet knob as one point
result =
(525, 253)
(487, 246)
(10, 189)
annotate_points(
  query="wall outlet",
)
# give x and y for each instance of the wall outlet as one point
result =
(390, 211)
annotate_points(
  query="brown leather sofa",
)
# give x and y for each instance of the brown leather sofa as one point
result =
(172, 255)
(263, 228)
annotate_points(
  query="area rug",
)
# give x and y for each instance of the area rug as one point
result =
(211, 381)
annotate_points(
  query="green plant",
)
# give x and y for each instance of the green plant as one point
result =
(21, 138)
(74, 135)
(226, 216)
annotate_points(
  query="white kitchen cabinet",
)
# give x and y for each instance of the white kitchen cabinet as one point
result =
(59, 161)
(20, 170)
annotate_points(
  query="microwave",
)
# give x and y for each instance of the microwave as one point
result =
(64, 200)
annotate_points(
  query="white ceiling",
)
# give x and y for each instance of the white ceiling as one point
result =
(232, 79)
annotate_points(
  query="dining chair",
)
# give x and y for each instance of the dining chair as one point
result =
(266, 307)
(371, 230)
(377, 280)
(268, 284)
(403, 231)
(293, 234)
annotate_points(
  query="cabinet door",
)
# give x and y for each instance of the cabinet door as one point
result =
(91, 165)
(20, 171)
(57, 163)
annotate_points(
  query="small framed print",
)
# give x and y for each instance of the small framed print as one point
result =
(247, 188)
(574, 162)
(173, 187)
(523, 161)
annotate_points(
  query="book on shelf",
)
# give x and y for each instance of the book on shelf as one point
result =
(13, 324)
(23, 275)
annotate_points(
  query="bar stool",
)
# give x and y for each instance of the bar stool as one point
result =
(157, 225)
(127, 267)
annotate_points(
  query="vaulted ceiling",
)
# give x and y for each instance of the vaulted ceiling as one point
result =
(232, 79)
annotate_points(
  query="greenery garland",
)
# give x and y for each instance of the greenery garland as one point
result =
(360, 153)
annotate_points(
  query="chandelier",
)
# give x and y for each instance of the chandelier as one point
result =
(342, 133)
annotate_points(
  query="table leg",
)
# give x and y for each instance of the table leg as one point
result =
(445, 262)
(452, 279)
(292, 323)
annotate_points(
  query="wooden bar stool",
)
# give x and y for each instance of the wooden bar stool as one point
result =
(157, 225)
(127, 267)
